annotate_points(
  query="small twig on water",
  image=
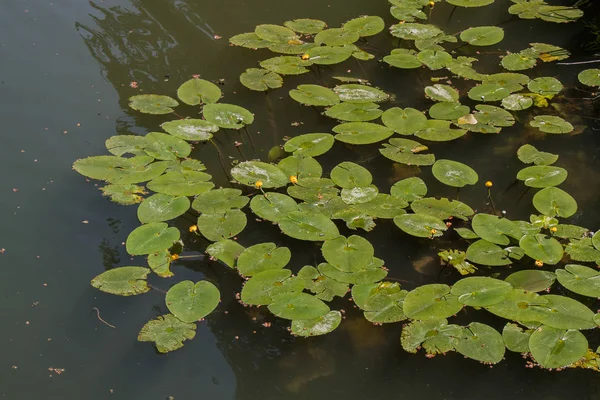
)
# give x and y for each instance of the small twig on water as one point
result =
(101, 320)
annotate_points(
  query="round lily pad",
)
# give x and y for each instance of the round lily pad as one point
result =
(448, 111)
(580, 279)
(404, 121)
(361, 132)
(328, 55)
(294, 47)
(310, 144)
(517, 102)
(273, 206)
(194, 130)
(153, 103)
(336, 37)
(166, 147)
(492, 115)
(123, 281)
(470, 3)
(308, 226)
(162, 207)
(262, 257)
(223, 225)
(542, 247)
(286, 65)
(260, 79)
(348, 254)
(354, 93)
(551, 124)
(120, 170)
(545, 86)
(349, 175)
(250, 172)
(383, 206)
(495, 229)
(190, 302)
(557, 348)
(354, 112)
(436, 336)
(414, 31)
(440, 92)
(298, 306)
(317, 326)
(249, 40)
(529, 154)
(481, 342)
(306, 25)
(359, 195)
(186, 183)
(518, 62)
(420, 225)
(489, 92)
(566, 313)
(430, 302)
(453, 173)
(533, 280)
(520, 305)
(487, 253)
(301, 167)
(198, 91)
(275, 33)
(442, 208)
(407, 151)
(540, 176)
(151, 238)
(228, 116)
(481, 291)
(434, 59)
(219, 200)
(260, 289)
(314, 95)
(590, 77)
(403, 60)
(482, 35)
(515, 338)
(226, 251)
(366, 25)
(409, 189)
(167, 332)
(553, 201)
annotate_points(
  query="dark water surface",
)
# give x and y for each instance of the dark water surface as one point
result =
(65, 71)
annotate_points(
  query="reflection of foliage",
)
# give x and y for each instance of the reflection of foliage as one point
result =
(110, 255)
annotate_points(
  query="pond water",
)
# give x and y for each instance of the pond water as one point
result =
(65, 79)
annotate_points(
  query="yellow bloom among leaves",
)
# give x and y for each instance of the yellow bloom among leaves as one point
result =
(174, 257)
(193, 228)
(294, 179)
(489, 184)
(553, 229)
(305, 57)
(258, 184)
(539, 263)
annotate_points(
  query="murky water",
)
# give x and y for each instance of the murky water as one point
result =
(65, 73)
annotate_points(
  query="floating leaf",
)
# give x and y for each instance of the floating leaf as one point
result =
(457, 259)
(275, 33)
(301, 167)
(361, 132)
(162, 207)
(310, 144)
(434, 59)
(434, 335)
(529, 154)
(160, 263)
(492, 115)
(383, 206)
(124, 194)
(545, 86)
(151, 238)
(220, 226)
(590, 77)
(518, 62)
(520, 305)
(328, 55)
(582, 250)
(219, 201)
(420, 225)
(481, 291)
(359, 195)
(120, 170)
(226, 251)
(551, 124)
(354, 112)
(186, 183)
(495, 229)
(442, 208)
(430, 302)
(439, 92)
(580, 279)
(532, 280)
(370, 273)
(313, 189)
(466, 233)
(481, 342)
(306, 25)
(407, 151)
(570, 231)
(286, 65)
(462, 66)
(324, 287)
(515, 338)
(557, 348)
(553, 201)
(482, 35)
(404, 121)
(228, 116)
(517, 102)
(123, 281)
(318, 326)
(295, 47)
(349, 175)
(348, 254)
(308, 226)
(409, 189)
(167, 332)
(260, 79)
(191, 129)
(297, 306)
(262, 257)
(448, 111)
(407, 13)
(403, 59)
(470, 3)
(249, 40)
(250, 172)
(260, 289)
(489, 92)
(273, 206)
(353, 93)
(198, 91)
(565, 313)
(540, 176)
(412, 31)
(314, 95)
(541, 247)
(365, 25)
(486, 253)
(382, 307)
(190, 302)
(453, 173)
(336, 37)
(153, 104)
(166, 147)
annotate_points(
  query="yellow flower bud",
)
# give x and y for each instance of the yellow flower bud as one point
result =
(489, 184)
(174, 257)
(193, 228)
(305, 57)
(258, 184)
(553, 229)
(539, 263)
(294, 179)
(433, 231)
(431, 4)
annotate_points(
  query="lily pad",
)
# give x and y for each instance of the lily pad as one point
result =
(308, 226)
(495, 229)
(553, 201)
(551, 124)
(323, 286)
(518, 62)
(439, 92)
(492, 115)
(306, 25)
(404, 121)
(119, 170)
(348, 254)
(354, 93)
(414, 31)
(481, 291)
(542, 247)
(167, 332)
(297, 306)
(361, 132)
(262, 257)
(487, 253)
(434, 59)
(409, 189)
(314, 95)
(482, 35)
(557, 348)
(162, 207)
(166, 147)
(249, 40)
(186, 183)
(481, 342)
(580, 279)
(301, 167)
(420, 225)
(219, 201)
(383, 206)
(228, 116)
(273, 206)
(532, 280)
(153, 104)
(453, 173)
(407, 13)
(222, 225)
(470, 3)
(354, 112)
(431, 302)
(195, 130)
(328, 55)
(590, 77)
(566, 313)
(198, 91)
(517, 102)
(489, 92)
(520, 305)
(436, 336)
(545, 86)
(448, 111)
(442, 208)
(318, 326)
(541, 176)
(190, 302)
(404, 60)
(123, 281)
(226, 251)
(349, 175)
(359, 195)
(313, 189)
(260, 289)
(275, 33)
(260, 79)
(151, 238)
(407, 151)
(310, 144)
(529, 154)
(250, 172)
(286, 65)
(365, 25)
(515, 338)
(336, 37)
(124, 194)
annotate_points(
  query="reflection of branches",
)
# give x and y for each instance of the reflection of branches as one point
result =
(110, 255)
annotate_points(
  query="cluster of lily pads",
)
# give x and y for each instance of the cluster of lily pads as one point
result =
(295, 195)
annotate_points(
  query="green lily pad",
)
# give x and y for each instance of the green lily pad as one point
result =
(420, 225)
(466, 233)
(382, 307)
(124, 194)
(567, 231)
(310, 144)
(359, 195)
(431, 302)
(354, 93)
(582, 250)
(541, 176)
(434, 335)
(226, 251)
(481, 291)
(151, 238)
(532, 280)
(439, 130)
(308, 226)
(295, 47)
(314, 95)
(489, 92)
(361, 132)
(565, 313)
(495, 229)
(323, 286)
(260, 79)
(529, 154)
(162, 207)
(250, 172)
(487, 253)
(166, 147)
(448, 111)
(306, 25)
(462, 66)
(492, 115)
(383, 206)
(120, 170)
(482, 35)
(262, 257)
(543, 248)
(453, 173)
(317, 326)
(336, 37)
(580, 279)
(262, 287)
(275, 33)
(551, 124)
(407, 151)
(348, 254)
(194, 130)
(407, 13)
(228, 116)
(249, 40)
(123, 144)
(366, 25)
(186, 183)
(481, 342)
(517, 102)
(470, 3)
(442, 208)
(557, 348)
(219, 201)
(328, 55)
(354, 112)
(434, 59)
(222, 225)
(190, 302)
(409, 189)
(313, 189)
(404, 121)
(515, 338)
(590, 77)
(153, 104)
(439, 92)
(404, 60)
(167, 332)
(297, 306)
(160, 263)
(273, 206)
(413, 31)
(123, 281)
(286, 65)
(520, 305)
(301, 167)
(518, 62)
(545, 86)
(370, 273)
(198, 91)
(553, 202)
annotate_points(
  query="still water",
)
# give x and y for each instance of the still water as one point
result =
(65, 74)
